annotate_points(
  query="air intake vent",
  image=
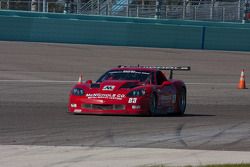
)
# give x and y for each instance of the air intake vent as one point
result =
(95, 85)
(104, 106)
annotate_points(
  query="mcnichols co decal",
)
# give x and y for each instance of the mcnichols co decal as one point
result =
(105, 96)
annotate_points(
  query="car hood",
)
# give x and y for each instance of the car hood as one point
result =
(114, 86)
(108, 90)
(111, 86)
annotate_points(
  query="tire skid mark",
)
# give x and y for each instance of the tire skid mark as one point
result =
(146, 145)
(246, 137)
(39, 139)
(178, 137)
(220, 133)
(237, 141)
(178, 134)
(120, 133)
(80, 159)
(108, 135)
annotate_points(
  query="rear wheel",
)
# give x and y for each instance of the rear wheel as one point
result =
(181, 106)
(153, 105)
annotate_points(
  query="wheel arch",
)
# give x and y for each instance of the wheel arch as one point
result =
(179, 86)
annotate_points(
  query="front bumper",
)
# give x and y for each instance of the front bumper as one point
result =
(109, 107)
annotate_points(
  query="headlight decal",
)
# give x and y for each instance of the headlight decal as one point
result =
(78, 92)
(136, 93)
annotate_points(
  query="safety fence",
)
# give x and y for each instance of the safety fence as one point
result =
(28, 5)
(213, 10)
(123, 31)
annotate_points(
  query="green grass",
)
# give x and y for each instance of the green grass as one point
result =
(224, 165)
(229, 165)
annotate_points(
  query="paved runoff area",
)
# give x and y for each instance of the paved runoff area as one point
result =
(53, 156)
(35, 130)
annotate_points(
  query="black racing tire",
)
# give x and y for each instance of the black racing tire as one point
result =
(153, 105)
(182, 102)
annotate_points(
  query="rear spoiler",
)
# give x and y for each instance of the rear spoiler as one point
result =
(169, 68)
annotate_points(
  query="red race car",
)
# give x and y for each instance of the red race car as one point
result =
(130, 90)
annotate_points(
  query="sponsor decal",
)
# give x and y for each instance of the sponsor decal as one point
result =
(129, 71)
(132, 100)
(105, 96)
(77, 110)
(108, 87)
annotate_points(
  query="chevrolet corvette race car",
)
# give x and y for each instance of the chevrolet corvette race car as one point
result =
(130, 90)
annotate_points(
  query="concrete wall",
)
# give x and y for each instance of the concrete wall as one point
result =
(103, 30)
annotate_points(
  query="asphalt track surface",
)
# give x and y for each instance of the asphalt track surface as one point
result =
(35, 80)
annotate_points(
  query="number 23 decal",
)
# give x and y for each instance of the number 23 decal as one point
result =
(132, 100)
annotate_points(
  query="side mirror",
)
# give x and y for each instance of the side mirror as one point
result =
(89, 81)
(166, 83)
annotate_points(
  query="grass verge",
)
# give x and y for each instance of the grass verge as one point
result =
(222, 165)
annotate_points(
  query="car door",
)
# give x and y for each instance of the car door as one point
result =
(165, 90)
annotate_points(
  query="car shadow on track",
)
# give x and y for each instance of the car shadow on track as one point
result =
(158, 115)
(185, 115)
(197, 115)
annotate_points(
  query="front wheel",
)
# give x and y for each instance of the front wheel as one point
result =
(181, 103)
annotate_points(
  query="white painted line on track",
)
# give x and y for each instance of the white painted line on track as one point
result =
(211, 83)
(57, 81)
(37, 81)
(215, 84)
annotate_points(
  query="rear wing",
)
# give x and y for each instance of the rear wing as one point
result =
(169, 68)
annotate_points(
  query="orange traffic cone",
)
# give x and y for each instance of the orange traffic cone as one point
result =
(242, 83)
(80, 79)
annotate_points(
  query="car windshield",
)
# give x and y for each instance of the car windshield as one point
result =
(141, 76)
